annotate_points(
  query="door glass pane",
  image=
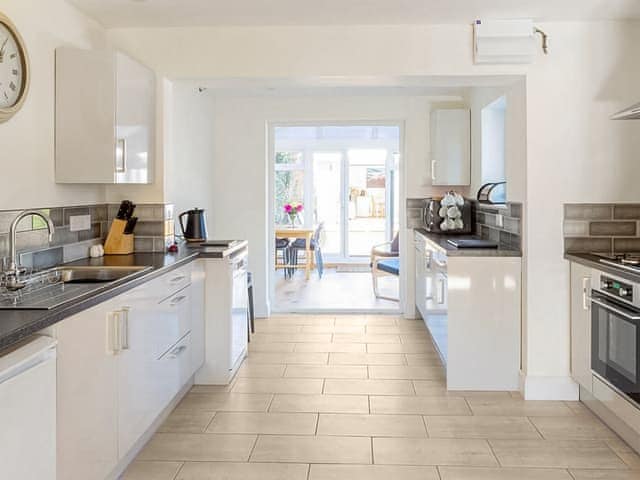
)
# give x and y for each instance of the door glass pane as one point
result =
(327, 199)
(289, 188)
(367, 206)
(622, 347)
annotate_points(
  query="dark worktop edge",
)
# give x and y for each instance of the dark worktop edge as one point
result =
(440, 241)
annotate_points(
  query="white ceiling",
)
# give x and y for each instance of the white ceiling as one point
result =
(157, 13)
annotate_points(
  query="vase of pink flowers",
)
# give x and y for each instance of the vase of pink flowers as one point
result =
(293, 209)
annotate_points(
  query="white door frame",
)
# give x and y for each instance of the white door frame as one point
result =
(401, 210)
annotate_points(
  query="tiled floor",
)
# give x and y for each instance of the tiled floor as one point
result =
(363, 397)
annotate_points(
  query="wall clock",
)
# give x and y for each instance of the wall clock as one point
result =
(14, 69)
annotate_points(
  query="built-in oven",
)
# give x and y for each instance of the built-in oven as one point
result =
(615, 333)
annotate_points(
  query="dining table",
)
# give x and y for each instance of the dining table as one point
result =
(294, 231)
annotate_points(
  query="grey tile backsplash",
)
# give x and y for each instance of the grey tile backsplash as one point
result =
(604, 228)
(154, 232)
(486, 221)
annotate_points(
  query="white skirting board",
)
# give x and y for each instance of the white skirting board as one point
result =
(548, 388)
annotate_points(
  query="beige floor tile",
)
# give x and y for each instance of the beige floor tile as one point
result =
(198, 447)
(291, 337)
(438, 388)
(624, 451)
(230, 402)
(278, 385)
(579, 408)
(399, 348)
(366, 358)
(382, 320)
(151, 471)
(372, 472)
(396, 329)
(186, 422)
(371, 425)
(357, 329)
(264, 423)
(576, 426)
(418, 405)
(331, 347)
(271, 347)
(514, 407)
(242, 471)
(368, 387)
(301, 320)
(415, 338)
(556, 454)
(273, 448)
(366, 338)
(264, 327)
(406, 372)
(478, 473)
(252, 369)
(605, 474)
(432, 451)
(418, 359)
(326, 371)
(289, 358)
(480, 427)
(320, 403)
(211, 388)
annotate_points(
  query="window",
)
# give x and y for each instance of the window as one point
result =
(493, 127)
(289, 178)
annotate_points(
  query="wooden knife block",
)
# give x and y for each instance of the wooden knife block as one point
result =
(118, 243)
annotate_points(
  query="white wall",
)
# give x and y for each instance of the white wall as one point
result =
(190, 154)
(574, 153)
(27, 140)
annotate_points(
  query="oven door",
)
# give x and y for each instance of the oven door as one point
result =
(615, 340)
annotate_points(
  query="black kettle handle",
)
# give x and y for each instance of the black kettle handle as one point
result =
(180, 221)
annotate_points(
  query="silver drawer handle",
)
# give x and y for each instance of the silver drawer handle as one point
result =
(177, 300)
(615, 310)
(177, 279)
(125, 328)
(176, 352)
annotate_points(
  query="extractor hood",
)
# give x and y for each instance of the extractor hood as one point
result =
(631, 113)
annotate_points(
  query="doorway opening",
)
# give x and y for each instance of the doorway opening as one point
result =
(336, 198)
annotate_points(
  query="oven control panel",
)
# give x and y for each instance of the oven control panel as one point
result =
(616, 288)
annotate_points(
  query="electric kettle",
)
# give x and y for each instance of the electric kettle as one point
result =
(195, 228)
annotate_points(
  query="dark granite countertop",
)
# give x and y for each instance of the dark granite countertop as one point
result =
(15, 325)
(593, 261)
(440, 240)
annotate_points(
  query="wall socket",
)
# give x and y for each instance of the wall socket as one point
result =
(79, 222)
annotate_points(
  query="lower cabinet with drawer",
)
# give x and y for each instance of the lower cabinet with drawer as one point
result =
(120, 365)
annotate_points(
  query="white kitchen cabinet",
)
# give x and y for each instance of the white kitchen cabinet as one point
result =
(105, 118)
(450, 147)
(87, 389)
(121, 363)
(197, 315)
(581, 325)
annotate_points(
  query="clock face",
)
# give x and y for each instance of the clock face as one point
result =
(12, 75)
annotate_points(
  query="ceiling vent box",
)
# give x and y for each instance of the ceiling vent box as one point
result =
(503, 41)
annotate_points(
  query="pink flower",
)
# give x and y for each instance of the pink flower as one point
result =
(288, 208)
(299, 207)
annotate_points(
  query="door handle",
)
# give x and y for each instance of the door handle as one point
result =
(586, 283)
(125, 328)
(176, 352)
(177, 300)
(441, 291)
(113, 332)
(177, 279)
(433, 170)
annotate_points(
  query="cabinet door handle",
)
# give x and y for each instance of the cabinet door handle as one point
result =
(125, 328)
(177, 300)
(176, 352)
(433, 170)
(113, 332)
(586, 283)
(177, 279)
(441, 291)
(121, 152)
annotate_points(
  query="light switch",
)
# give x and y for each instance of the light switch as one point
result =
(79, 222)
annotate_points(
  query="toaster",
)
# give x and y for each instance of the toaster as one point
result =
(432, 219)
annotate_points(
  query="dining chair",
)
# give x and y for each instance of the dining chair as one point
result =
(283, 255)
(300, 245)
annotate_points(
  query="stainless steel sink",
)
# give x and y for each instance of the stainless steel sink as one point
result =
(51, 288)
(94, 274)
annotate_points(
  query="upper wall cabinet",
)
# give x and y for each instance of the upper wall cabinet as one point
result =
(451, 147)
(105, 118)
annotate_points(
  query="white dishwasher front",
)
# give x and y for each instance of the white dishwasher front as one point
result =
(28, 410)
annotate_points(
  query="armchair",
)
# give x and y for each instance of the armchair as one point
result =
(385, 260)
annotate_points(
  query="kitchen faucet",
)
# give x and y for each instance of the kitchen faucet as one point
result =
(13, 272)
